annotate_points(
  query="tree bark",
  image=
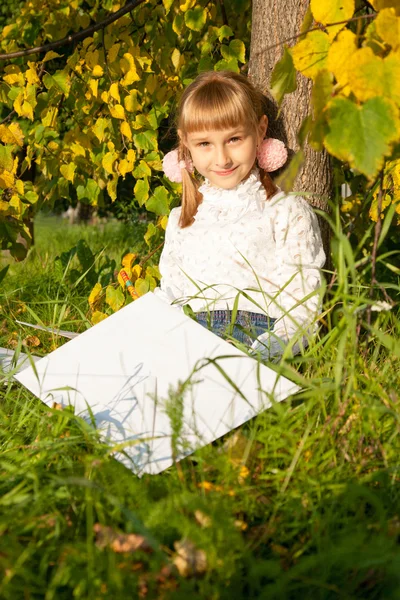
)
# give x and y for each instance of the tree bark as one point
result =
(272, 22)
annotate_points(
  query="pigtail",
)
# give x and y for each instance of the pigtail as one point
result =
(268, 184)
(191, 197)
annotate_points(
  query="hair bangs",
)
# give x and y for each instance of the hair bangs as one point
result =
(214, 107)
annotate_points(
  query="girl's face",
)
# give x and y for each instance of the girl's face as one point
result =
(225, 157)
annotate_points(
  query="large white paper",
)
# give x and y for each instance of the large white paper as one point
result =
(121, 372)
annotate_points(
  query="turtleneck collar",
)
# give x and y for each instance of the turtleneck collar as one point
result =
(228, 206)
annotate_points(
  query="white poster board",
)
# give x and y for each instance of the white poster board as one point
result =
(123, 370)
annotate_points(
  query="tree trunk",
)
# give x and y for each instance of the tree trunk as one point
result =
(272, 22)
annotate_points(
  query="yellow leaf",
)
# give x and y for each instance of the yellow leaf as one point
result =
(131, 155)
(151, 83)
(176, 58)
(128, 260)
(20, 187)
(12, 134)
(117, 111)
(94, 86)
(370, 76)
(164, 222)
(388, 27)
(310, 54)
(339, 56)
(136, 272)
(68, 171)
(113, 52)
(126, 130)
(6, 180)
(77, 150)
(128, 67)
(98, 316)
(112, 188)
(186, 5)
(31, 75)
(373, 211)
(97, 71)
(16, 204)
(22, 107)
(95, 294)
(382, 4)
(49, 115)
(126, 164)
(331, 11)
(15, 77)
(50, 55)
(131, 102)
(104, 97)
(108, 161)
(123, 167)
(114, 92)
(99, 128)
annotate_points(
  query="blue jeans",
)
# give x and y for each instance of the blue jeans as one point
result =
(247, 327)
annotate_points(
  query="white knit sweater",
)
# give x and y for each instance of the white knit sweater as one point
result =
(266, 253)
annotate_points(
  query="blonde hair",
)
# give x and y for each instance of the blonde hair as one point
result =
(216, 100)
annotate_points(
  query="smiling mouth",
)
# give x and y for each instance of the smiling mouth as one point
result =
(225, 172)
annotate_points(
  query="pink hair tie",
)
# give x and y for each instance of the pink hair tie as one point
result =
(271, 154)
(172, 166)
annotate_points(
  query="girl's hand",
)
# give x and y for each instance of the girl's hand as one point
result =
(269, 347)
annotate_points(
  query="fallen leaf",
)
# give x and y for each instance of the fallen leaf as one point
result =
(189, 560)
(119, 542)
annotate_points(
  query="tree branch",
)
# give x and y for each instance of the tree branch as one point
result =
(223, 12)
(76, 37)
(298, 35)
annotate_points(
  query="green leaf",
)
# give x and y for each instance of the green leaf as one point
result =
(59, 80)
(283, 77)
(142, 286)
(6, 158)
(150, 233)
(147, 140)
(227, 65)
(114, 297)
(237, 50)
(205, 64)
(320, 96)
(196, 18)
(141, 191)
(142, 170)
(85, 255)
(286, 179)
(158, 203)
(3, 272)
(224, 32)
(362, 135)
(90, 191)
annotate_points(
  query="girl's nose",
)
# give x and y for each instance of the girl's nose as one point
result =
(222, 158)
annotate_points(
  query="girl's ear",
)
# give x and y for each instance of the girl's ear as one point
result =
(263, 126)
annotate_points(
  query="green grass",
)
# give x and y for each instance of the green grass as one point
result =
(301, 502)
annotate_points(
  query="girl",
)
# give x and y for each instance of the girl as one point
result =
(238, 247)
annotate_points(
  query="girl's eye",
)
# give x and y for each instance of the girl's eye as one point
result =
(203, 144)
(235, 139)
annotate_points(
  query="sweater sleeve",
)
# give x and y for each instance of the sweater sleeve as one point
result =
(171, 286)
(300, 256)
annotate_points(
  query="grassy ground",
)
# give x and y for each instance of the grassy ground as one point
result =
(301, 502)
